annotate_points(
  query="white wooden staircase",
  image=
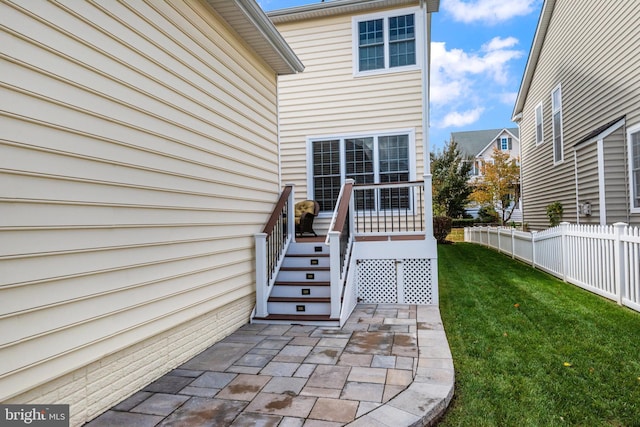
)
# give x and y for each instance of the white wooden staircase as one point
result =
(301, 293)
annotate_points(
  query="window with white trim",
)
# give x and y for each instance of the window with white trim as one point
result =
(368, 159)
(539, 134)
(556, 117)
(633, 139)
(386, 42)
(505, 143)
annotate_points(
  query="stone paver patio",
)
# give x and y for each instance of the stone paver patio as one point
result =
(390, 365)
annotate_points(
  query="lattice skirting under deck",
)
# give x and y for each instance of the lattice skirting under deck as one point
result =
(388, 281)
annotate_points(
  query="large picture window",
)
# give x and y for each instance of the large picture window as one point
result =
(556, 117)
(633, 139)
(367, 159)
(385, 42)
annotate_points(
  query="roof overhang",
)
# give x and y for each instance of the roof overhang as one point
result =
(534, 56)
(601, 132)
(341, 7)
(252, 24)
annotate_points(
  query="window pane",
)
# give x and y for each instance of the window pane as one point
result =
(402, 44)
(359, 159)
(393, 152)
(326, 173)
(557, 137)
(370, 45)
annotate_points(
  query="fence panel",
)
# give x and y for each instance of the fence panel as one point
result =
(631, 272)
(602, 259)
(522, 246)
(590, 255)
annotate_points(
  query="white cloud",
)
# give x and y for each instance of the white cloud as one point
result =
(458, 119)
(498, 43)
(453, 72)
(487, 11)
(508, 98)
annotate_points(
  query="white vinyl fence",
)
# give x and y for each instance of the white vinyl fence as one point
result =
(601, 259)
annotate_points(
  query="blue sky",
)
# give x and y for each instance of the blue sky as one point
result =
(479, 51)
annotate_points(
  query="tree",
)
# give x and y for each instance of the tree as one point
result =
(450, 180)
(500, 185)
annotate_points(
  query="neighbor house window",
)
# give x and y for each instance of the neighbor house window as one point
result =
(633, 138)
(539, 135)
(367, 159)
(505, 144)
(556, 117)
(385, 41)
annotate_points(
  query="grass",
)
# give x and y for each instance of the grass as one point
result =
(530, 350)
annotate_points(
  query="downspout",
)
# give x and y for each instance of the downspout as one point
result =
(427, 177)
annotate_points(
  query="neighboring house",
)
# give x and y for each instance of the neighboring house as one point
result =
(360, 108)
(138, 157)
(480, 144)
(579, 116)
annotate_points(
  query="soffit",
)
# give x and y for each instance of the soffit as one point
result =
(253, 25)
(341, 7)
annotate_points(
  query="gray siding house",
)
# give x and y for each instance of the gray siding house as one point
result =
(579, 115)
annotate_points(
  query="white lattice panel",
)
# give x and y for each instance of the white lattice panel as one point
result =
(377, 281)
(417, 281)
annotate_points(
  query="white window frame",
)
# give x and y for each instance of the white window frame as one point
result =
(630, 131)
(411, 133)
(419, 39)
(557, 109)
(541, 123)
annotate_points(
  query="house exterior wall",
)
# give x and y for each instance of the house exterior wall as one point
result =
(138, 156)
(328, 100)
(514, 153)
(591, 53)
(616, 179)
(588, 181)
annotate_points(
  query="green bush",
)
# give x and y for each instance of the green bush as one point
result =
(441, 228)
(554, 213)
(487, 214)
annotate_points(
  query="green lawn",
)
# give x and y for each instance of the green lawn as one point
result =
(530, 350)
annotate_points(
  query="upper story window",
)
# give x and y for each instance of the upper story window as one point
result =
(386, 42)
(539, 134)
(633, 139)
(506, 144)
(556, 117)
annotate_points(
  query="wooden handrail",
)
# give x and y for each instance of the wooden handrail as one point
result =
(277, 210)
(343, 208)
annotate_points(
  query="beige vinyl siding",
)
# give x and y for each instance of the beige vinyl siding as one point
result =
(616, 178)
(592, 52)
(327, 100)
(138, 155)
(588, 181)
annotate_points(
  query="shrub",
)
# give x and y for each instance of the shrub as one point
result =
(554, 212)
(487, 214)
(441, 228)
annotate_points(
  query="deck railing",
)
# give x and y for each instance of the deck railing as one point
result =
(387, 209)
(271, 246)
(340, 241)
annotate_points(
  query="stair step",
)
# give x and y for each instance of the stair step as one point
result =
(300, 300)
(310, 254)
(302, 284)
(310, 268)
(299, 317)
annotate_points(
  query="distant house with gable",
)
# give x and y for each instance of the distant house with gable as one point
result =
(479, 144)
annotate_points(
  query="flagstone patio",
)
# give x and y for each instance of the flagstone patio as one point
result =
(389, 365)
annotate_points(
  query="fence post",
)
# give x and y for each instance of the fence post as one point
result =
(563, 249)
(513, 244)
(533, 248)
(262, 281)
(499, 242)
(619, 260)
